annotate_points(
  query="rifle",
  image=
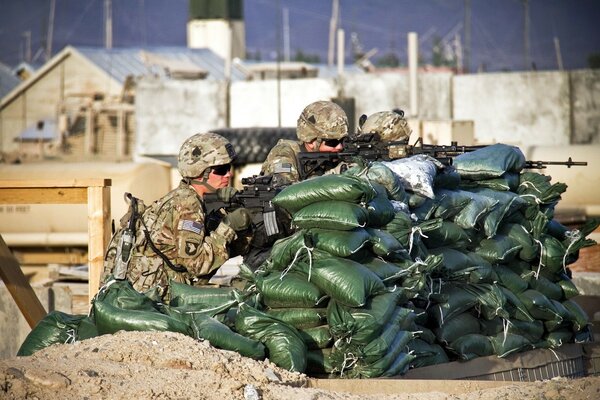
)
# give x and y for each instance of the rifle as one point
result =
(370, 147)
(255, 196)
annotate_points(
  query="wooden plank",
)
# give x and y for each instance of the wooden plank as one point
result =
(588, 261)
(43, 195)
(52, 257)
(99, 234)
(19, 288)
(54, 183)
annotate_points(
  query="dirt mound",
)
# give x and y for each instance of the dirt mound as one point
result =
(152, 365)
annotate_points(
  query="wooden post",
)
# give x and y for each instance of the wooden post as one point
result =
(19, 288)
(99, 233)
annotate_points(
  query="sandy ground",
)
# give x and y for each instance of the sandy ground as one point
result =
(151, 365)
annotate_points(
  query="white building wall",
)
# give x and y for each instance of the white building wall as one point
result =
(256, 103)
(523, 109)
(170, 111)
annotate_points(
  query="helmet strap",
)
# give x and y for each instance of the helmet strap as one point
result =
(210, 188)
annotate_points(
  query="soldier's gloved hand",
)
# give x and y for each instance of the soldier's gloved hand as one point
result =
(238, 220)
(225, 194)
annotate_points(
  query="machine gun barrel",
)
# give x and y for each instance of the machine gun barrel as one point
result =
(542, 164)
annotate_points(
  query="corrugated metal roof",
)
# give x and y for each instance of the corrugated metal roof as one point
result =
(122, 62)
(43, 130)
(7, 80)
(324, 70)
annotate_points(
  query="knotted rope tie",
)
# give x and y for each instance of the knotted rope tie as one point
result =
(572, 236)
(309, 252)
(415, 229)
(537, 273)
(353, 359)
(70, 336)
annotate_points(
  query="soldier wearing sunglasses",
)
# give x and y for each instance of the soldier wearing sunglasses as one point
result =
(321, 127)
(168, 240)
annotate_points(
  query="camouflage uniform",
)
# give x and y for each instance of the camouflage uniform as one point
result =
(318, 121)
(176, 226)
(389, 125)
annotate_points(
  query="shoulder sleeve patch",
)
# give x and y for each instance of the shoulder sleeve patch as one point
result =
(282, 168)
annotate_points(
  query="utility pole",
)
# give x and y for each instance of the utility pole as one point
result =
(467, 51)
(108, 24)
(526, 48)
(458, 53)
(335, 5)
(27, 52)
(558, 53)
(286, 34)
(50, 30)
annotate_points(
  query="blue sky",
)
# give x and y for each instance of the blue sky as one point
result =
(496, 28)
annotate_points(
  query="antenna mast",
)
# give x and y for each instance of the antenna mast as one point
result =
(108, 24)
(332, 30)
(50, 30)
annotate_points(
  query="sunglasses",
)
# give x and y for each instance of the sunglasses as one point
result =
(221, 170)
(332, 142)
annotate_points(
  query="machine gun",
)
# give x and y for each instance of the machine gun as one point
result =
(370, 147)
(255, 196)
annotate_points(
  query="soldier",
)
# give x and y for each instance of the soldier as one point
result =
(321, 127)
(170, 239)
(391, 126)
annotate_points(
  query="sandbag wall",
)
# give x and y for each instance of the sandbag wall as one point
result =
(392, 266)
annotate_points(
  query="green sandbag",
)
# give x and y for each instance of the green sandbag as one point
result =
(110, 319)
(538, 305)
(556, 229)
(426, 354)
(344, 280)
(300, 318)
(394, 355)
(455, 262)
(339, 243)
(380, 210)
(558, 338)
(553, 253)
(580, 319)
(359, 326)
(425, 334)
(206, 296)
(481, 270)
(568, 287)
(416, 200)
(222, 337)
(459, 301)
(471, 346)
(425, 210)
(318, 337)
(549, 289)
(386, 271)
(510, 280)
(523, 269)
(538, 187)
(491, 300)
(508, 203)
(383, 243)
(515, 307)
(498, 249)
(508, 181)
(448, 234)
(510, 343)
(489, 162)
(284, 251)
(122, 295)
(400, 365)
(474, 211)
(454, 328)
(450, 202)
(530, 249)
(346, 188)
(285, 346)
(55, 327)
(292, 290)
(319, 361)
(337, 215)
(447, 178)
(378, 347)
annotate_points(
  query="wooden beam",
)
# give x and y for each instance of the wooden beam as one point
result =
(43, 196)
(53, 183)
(51, 257)
(99, 234)
(19, 287)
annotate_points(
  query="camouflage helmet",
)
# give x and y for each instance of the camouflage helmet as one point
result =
(322, 120)
(202, 151)
(390, 125)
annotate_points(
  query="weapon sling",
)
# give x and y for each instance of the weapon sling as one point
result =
(174, 267)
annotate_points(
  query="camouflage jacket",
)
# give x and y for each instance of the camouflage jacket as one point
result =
(282, 163)
(176, 227)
